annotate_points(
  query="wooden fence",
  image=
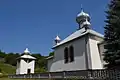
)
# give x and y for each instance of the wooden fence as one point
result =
(100, 74)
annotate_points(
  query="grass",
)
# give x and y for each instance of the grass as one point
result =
(20, 79)
(9, 79)
(7, 69)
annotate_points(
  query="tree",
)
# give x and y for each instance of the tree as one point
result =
(2, 54)
(40, 63)
(0, 70)
(37, 55)
(51, 54)
(112, 35)
(11, 58)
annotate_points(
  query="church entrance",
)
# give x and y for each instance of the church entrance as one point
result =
(28, 71)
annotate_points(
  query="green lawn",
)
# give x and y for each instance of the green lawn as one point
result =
(7, 69)
(9, 79)
(20, 79)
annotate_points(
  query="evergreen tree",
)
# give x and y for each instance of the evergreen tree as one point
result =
(112, 35)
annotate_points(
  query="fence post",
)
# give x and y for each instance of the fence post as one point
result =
(64, 76)
(39, 76)
(49, 75)
(90, 74)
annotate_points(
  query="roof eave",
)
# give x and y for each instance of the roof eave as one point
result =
(50, 57)
(69, 41)
(26, 58)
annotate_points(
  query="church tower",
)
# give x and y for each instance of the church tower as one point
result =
(25, 63)
(83, 19)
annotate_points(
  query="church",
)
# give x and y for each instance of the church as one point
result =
(82, 50)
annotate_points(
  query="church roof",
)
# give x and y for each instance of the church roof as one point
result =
(50, 57)
(78, 33)
(26, 57)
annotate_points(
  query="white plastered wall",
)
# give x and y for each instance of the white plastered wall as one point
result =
(79, 63)
(18, 67)
(24, 66)
(94, 54)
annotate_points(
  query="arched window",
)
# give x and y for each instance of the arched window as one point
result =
(71, 51)
(66, 55)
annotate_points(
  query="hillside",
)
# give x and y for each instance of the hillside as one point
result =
(7, 68)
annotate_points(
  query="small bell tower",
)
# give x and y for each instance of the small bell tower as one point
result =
(25, 63)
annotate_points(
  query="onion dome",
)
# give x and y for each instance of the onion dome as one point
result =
(83, 19)
(26, 51)
(86, 24)
(57, 39)
(82, 14)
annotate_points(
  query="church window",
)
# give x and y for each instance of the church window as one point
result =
(71, 53)
(66, 55)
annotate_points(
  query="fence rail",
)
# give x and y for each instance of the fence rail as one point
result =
(101, 74)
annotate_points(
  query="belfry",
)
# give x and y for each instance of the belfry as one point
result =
(25, 63)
